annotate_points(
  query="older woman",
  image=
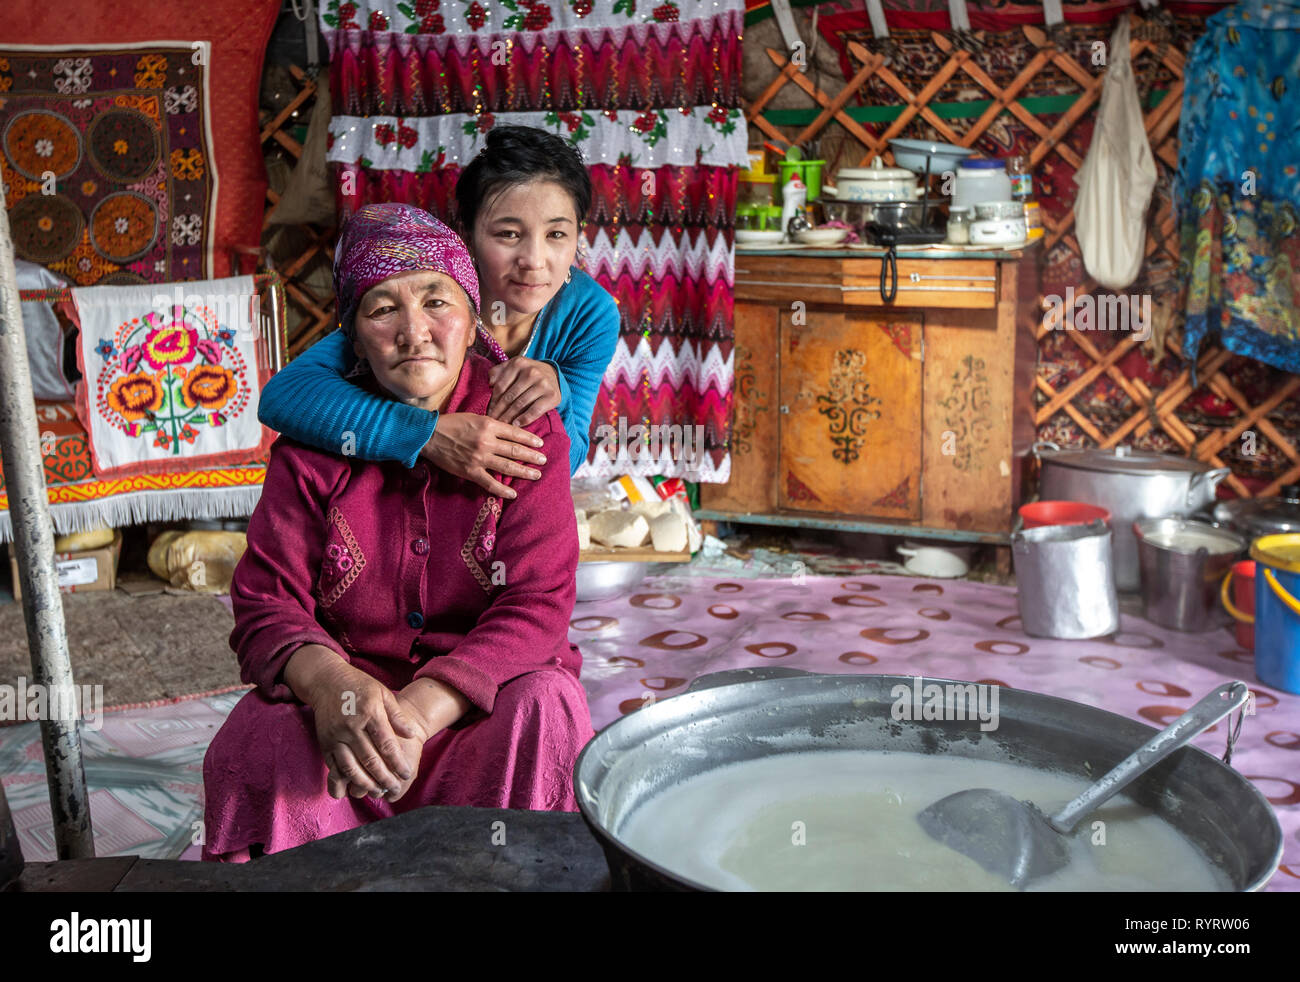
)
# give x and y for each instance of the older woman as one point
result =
(520, 203)
(406, 630)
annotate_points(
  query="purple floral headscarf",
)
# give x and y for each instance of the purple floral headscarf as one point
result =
(383, 240)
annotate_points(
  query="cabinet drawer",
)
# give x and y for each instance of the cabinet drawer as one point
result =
(968, 283)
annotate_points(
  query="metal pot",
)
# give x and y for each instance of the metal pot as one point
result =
(899, 214)
(666, 742)
(1130, 484)
(1253, 517)
(1183, 564)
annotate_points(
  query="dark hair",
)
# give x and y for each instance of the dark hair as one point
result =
(517, 155)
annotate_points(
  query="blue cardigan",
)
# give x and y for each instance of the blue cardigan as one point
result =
(312, 402)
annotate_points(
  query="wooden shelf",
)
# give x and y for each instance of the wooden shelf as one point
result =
(642, 554)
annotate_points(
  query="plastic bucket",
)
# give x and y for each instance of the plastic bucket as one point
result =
(1241, 581)
(1040, 513)
(1277, 610)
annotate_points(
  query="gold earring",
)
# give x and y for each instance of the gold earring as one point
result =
(568, 277)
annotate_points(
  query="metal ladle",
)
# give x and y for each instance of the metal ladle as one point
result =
(1014, 840)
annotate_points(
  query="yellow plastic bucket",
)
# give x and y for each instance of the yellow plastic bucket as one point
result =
(1277, 610)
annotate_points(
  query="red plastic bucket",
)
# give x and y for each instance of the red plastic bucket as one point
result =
(1242, 576)
(1040, 513)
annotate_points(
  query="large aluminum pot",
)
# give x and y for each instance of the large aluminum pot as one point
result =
(667, 742)
(1130, 484)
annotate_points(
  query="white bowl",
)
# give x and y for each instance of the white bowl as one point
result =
(758, 236)
(822, 236)
(933, 561)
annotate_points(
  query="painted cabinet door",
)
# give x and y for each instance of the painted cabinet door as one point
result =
(754, 428)
(850, 413)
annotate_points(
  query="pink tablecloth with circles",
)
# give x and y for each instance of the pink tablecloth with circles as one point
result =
(656, 640)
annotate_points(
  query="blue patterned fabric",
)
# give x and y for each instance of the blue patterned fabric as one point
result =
(1238, 184)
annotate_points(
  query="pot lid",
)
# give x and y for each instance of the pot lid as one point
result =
(876, 172)
(1124, 460)
(1260, 516)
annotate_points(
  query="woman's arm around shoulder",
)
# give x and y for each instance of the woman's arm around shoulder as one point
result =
(312, 402)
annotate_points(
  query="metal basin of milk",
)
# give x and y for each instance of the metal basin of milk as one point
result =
(846, 820)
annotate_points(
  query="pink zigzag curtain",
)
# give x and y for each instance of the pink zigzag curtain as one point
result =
(642, 89)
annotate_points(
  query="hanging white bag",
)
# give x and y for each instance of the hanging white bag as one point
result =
(1116, 179)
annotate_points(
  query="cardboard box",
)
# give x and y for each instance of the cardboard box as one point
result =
(79, 572)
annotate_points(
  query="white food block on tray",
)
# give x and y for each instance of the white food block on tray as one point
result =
(668, 532)
(619, 528)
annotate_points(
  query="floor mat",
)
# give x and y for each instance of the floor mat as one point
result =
(145, 765)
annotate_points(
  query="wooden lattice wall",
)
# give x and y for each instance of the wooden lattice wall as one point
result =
(311, 308)
(1148, 409)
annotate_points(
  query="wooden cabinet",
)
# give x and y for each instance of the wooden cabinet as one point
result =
(852, 412)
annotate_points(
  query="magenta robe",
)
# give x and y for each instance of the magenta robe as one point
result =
(406, 574)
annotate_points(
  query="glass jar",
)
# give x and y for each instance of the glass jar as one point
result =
(958, 226)
(1022, 181)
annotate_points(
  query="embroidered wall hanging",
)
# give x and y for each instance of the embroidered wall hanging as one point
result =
(145, 112)
(171, 380)
(107, 161)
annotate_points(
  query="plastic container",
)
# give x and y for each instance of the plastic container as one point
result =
(1277, 610)
(809, 171)
(769, 217)
(979, 181)
(1241, 579)
(1040, 513)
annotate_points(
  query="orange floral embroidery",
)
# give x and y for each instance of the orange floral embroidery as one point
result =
(209, 386)
(133, 396)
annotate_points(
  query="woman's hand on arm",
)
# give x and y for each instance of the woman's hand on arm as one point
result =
(523, 390)
(473, 447)
(363, 729)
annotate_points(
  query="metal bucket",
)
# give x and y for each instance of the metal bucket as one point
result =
(1180, 583)
(1064, 581)
(1223, 815)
